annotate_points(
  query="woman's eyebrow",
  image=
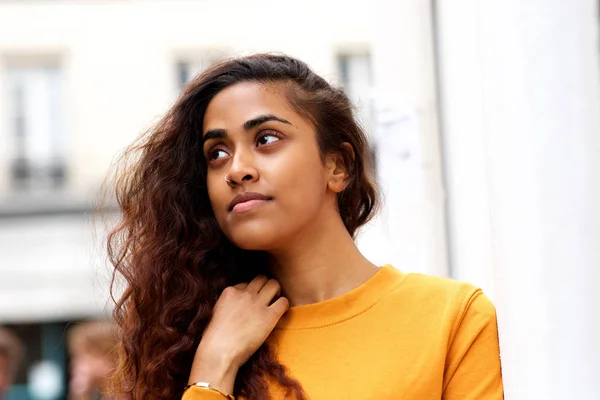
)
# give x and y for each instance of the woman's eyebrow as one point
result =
(220, 133)
(217, 133)
(261, 119)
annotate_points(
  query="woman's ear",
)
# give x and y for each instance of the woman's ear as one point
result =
(338, 168)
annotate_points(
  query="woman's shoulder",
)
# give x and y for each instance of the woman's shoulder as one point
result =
(434, 292)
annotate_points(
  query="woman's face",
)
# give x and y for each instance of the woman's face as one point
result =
(278, 185)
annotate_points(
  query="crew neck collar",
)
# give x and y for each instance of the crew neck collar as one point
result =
(345, 306)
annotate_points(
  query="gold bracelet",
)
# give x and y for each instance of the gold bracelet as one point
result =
(208, 386)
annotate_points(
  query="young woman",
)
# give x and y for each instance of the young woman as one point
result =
(236, 242)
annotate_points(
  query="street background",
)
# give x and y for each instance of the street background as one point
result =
(484, 117)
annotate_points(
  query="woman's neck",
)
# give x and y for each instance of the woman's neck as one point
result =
(322, 263)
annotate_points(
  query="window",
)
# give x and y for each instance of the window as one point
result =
(36, 126)
(355, 74)
(190, 66)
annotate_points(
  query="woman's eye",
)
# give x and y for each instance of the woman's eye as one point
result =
(267, 139)
(217, 154)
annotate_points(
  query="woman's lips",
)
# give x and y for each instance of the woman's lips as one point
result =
(247, 200)
(248, 205)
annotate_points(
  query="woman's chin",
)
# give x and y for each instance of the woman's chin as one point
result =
(263, 239)
(253, 244)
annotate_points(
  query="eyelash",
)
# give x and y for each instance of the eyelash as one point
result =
(259, 136)
(268, 132)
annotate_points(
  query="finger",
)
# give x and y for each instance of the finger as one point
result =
(257, 284)
(271, 290)
(280, 306)
(241, 286)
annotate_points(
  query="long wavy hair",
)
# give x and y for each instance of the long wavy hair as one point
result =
(169, 249)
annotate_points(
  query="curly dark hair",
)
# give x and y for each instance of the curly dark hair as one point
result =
(169, 249)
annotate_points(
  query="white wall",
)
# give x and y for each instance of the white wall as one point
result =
(521, 106)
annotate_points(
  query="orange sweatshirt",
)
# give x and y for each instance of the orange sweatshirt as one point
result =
(397, 336)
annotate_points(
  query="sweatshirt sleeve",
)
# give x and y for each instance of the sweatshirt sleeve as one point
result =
(472, 369)
(196, 393)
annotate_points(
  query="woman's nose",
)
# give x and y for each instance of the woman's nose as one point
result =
(242, 169)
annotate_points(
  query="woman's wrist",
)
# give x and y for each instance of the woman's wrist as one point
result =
(219, 370)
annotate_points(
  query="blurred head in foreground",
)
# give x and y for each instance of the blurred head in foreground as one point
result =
(92, 347)
(11, 354)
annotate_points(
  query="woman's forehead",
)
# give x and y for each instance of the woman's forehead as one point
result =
(236, 104)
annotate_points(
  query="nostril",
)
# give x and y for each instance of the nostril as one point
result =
(247, 178)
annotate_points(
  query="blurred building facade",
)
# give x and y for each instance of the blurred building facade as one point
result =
(79, 81)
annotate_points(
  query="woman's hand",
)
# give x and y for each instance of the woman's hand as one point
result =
(243, 318)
